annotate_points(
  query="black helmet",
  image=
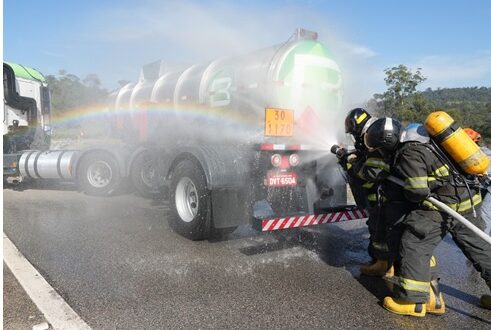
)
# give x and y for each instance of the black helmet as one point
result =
(355, 121)
(383, 134)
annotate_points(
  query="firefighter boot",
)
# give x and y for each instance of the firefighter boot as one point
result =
(378, 268)
(435, 304)
(486, 301)
(404, 308)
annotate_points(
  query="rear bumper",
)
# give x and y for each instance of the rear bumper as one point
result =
(305, 220)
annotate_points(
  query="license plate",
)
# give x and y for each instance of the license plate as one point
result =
(274, 179)
(278, 122)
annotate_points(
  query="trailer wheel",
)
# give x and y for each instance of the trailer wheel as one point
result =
(98, 174)
(190, 201)
(144, 175)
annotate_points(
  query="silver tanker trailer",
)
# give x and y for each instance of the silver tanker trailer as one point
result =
(235, 141)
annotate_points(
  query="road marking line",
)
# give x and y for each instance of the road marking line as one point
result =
(56, 311)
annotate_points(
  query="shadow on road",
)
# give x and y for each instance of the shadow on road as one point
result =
(44, 184)
(472, 300)
(347, 248)
(124, 188)
(334, 245)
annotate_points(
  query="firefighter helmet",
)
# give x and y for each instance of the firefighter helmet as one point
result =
(355, 121)
(383, 135)
(415, 132)
(475, 136)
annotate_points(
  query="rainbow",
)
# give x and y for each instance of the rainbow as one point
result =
(194, 114)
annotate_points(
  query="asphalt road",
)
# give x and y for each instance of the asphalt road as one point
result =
(119, 266)
(19, 312)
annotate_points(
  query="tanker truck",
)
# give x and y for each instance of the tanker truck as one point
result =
(238, 140)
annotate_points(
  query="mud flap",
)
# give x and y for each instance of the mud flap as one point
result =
(230, 208)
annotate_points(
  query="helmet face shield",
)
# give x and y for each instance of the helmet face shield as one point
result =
(383, 136)
(367, 125)
(367, 144)
(351, 137)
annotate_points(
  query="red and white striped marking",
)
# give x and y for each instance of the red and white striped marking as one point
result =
(311, 220)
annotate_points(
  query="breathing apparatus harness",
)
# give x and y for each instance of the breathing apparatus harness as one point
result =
(460, 179)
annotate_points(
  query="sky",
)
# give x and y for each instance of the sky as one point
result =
(449, 40)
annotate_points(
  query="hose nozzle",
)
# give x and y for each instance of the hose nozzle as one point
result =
(340, 152)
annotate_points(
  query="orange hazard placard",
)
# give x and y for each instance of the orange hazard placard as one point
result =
(278, 122)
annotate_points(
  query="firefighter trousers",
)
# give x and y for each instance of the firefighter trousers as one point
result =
(377, 246)
(384, 230)
(423, 231)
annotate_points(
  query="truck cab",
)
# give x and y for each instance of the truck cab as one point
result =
(27, 108)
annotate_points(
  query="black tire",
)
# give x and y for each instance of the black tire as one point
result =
(144, 175)
(190, 202)
(98, 174)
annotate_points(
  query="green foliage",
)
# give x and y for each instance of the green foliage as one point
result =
(401, 83)
(469, 106)
(68, 92)
(459, 95)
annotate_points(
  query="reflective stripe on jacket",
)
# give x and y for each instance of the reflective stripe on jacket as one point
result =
(369, 168)
(424, 173)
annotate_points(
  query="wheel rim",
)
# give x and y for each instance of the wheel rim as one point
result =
(148, 174)
(99, 174)
(187, 201)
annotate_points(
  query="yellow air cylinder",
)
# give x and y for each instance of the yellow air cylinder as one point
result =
(465, 152)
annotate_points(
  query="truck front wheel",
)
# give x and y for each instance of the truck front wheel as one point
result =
(98, 174)
(190, 201)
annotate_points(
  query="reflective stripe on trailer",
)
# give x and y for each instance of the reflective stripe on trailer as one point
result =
(311, 220)
(287, 147)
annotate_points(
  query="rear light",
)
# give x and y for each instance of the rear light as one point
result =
(294, 160)
(276, 160)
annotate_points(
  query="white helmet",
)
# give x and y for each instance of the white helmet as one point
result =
(415, 132)
(367, 125)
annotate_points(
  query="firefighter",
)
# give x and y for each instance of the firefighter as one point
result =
(475, 136)
(358, 168)
(423, 173)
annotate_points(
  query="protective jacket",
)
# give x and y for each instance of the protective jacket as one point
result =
(371, 168)
(425, 174)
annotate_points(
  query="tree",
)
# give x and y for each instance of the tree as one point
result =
(69, 92)
(468, 106)
(401, 85)
(402, 82)
(123, 82)
(92, 81)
